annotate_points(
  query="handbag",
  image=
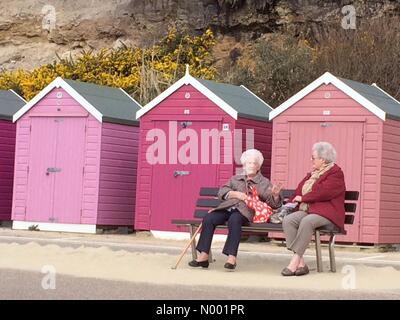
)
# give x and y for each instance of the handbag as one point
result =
(262, 210)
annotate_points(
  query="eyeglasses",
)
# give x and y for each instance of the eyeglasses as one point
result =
(313, 158)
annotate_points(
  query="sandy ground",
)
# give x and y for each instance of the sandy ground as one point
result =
(130, 258)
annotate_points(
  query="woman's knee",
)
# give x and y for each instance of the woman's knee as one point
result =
(235, 219)
(208, 219)
(287, 221)
(307, 223)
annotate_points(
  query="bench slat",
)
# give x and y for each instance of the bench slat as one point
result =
(286, 193)
(212, 203)
(209, 191)
(207, 202)
(200, 214)
(350, 207)
(349, 219)
(351, 195)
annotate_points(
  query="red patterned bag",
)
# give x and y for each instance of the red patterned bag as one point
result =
(262, 210)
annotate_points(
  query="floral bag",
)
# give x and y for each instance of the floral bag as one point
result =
(262, 210)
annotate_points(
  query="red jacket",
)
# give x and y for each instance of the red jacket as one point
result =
(326, 197)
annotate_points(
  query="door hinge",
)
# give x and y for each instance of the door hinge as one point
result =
(362, 137)
(83, 170)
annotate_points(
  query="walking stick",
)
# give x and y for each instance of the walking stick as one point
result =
(187, 246)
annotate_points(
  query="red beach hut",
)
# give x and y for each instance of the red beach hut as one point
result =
(363, 123)
(187, 137)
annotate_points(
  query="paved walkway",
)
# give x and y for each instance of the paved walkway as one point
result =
(141, 261)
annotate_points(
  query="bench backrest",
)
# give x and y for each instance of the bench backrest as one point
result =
(208, 200)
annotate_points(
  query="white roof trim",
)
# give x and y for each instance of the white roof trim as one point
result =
(188, 79)
(17, 95)
(327, 78)
(390, 96)
(251, 92)
(57, 83)
(133, 99)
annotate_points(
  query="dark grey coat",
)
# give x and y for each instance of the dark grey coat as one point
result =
(238, 183)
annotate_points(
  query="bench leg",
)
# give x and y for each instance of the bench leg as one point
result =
(193, 245)
(318, 251)
(332, 253)
(210, 259)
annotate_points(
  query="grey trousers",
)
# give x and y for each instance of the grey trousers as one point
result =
(299, 227)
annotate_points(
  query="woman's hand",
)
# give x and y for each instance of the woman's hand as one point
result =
(237, 195)
(297, 199)
(276, 190)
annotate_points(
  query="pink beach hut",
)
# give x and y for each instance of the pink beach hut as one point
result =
(76, 158)
(190, 110)
(10, 103)
(363, 123)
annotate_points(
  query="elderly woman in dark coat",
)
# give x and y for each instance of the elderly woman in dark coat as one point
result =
(320, 196)
(234, 210)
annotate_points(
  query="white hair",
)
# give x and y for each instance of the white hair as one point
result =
(252, 153)
(325, 151)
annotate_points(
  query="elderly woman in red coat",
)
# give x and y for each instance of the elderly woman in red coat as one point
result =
(320, 196)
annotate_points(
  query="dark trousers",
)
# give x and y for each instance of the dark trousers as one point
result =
(210, 221)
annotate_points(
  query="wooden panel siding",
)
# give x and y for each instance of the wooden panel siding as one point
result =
(7, 158)
(389, 219)
(118, 171)
(91, 171)
(262, 139)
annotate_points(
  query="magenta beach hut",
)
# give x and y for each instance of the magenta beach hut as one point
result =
(10, 103)
(197, 121)
(76, 158)
(363, 123)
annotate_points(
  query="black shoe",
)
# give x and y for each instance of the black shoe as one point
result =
(286, 272)
(195, 264)
(229, 266)
(302, 271)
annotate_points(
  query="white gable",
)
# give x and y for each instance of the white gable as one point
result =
(328, 78)
(59, 83)
(186, 80)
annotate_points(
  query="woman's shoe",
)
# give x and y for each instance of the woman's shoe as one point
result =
(301, 271)
(195, 264)
(230, 266)
(286, 272)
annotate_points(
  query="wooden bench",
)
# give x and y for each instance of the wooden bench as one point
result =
(208, 199)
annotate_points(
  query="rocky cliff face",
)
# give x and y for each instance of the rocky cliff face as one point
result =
(33, 31)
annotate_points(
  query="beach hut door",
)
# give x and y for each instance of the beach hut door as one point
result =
(347, 138)
(55, 169)
(177, 181)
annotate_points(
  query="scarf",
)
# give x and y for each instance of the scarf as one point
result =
(307, 187)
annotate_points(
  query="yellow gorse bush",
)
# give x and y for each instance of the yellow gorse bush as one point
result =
(142, 72)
